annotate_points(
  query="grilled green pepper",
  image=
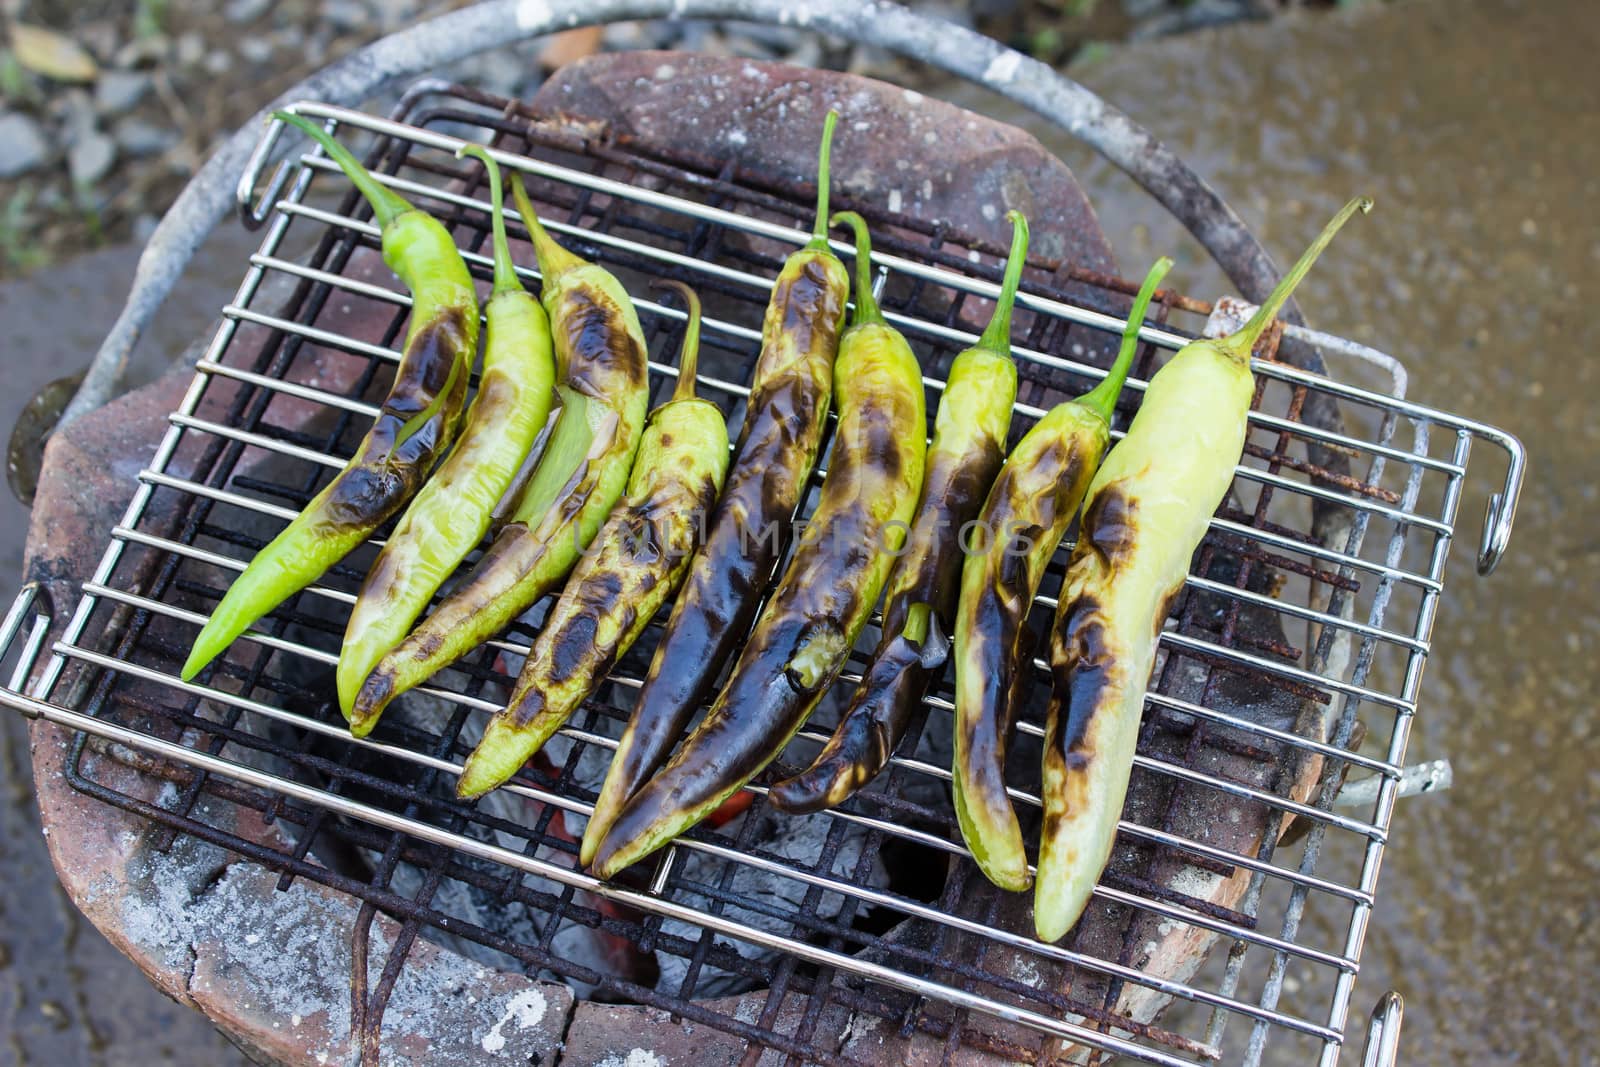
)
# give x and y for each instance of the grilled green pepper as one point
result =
(807, 629)
(1147, 512)
(969, 441)
(777, 449)
(415, 425)
(600, 360)
(1033, 501)
(644, 550)
(449, 516)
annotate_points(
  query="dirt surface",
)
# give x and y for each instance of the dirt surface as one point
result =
(66, 996)
(1477, 268)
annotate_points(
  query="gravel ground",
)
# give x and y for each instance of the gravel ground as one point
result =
(107, 106)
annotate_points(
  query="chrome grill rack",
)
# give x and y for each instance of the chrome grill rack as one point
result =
(261, 428)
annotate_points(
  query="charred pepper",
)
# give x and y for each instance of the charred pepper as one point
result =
(644, 550)
(969, 441)
(416, 423)
(1029, 508)
(1147, 512)
(777, 449)
(450, 515)
(806, 631)
(600, 360)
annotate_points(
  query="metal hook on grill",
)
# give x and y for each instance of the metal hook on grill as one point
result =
(1501, 510)
(253, 212)
(1382, 1047)
(33, 643)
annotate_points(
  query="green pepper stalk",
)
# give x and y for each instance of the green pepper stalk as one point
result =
(644, 551)
(777, 448)
(807, 629)
(601, 364)
(969, 441)
(450, 515)
(416, 423)
(1033, 501)
(1147, 511)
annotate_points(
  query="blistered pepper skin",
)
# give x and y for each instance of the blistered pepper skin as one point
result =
(806, 631)
(416, 423)
(785, 415)
(601, 364)
(1147, 512)
(1029, 509)
(448, 518)
(636, 562)
(967, 450)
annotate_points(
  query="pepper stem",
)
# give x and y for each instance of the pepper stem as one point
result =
(1103, 397)
(819, 227)
(866, 304)
(554, 261)
(505, 271)
(689, 354)
(997, 336)
(387, 204)
(1242, 342)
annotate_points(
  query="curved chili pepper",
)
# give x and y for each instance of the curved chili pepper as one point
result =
(969, 441)
(1147, 512)
(777, 449)
(644, 550)
(600, 358)
(449, 516)
(416, 423)
(1033, 501)
(807, 630)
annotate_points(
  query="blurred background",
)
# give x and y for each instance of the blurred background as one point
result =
(1469, 121)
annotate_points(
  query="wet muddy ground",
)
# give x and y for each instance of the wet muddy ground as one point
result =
(1478, 132)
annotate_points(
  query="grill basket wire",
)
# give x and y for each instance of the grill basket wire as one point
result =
(260, 732)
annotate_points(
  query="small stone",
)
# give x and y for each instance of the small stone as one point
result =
(500, 71)
(255, 49)
(737, 44)
(217, 62)
(345, 14)
(75, 110)
(55, 1014)
(238, 11)
(138, 137)
(143, 52)
(91, 157)
(960, 14)
(100, 37)
(22, 144)
(118, 90)
(191, 49)
(144, 227)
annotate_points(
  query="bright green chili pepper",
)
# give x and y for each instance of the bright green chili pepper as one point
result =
(601, 361)
(969, 443)
(1033, 501)
(449, 516)
(644, 551)
(807, 629)
(416, 423)
(783, 423)
(1147, 512)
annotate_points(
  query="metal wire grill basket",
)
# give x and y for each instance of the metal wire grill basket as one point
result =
(1316, 590)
